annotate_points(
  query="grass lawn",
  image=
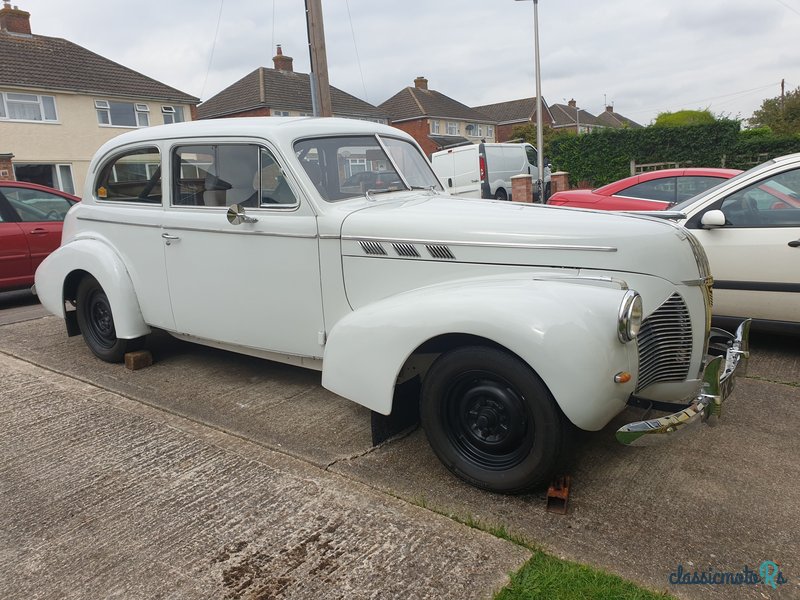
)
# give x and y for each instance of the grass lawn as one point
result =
(547, 577)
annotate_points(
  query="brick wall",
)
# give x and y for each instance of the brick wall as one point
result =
(6, 168)
(502, 133)
(256, 112)
(419, 129)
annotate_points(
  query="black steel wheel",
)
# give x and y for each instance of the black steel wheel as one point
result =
(500, 194)
(96, 322)
(492, 421)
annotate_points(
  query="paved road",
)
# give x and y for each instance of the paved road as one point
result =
(724, 498)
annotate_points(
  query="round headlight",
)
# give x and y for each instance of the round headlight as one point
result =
(630, 317)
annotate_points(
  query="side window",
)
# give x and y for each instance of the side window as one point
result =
(655, 189)
(532, 158)
(773, 202)
(228, 174)
(35, 205)
(134, 176)
(691, 185)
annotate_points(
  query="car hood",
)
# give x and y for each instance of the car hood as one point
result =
(440, 227)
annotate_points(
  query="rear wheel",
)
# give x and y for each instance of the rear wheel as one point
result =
(492, 421)
(500, 194)
(97, 323)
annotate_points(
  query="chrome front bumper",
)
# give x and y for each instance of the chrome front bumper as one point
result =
(719, 377)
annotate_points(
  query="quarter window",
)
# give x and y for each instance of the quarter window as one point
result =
(131, 177)
(27, 107)
(122, 114)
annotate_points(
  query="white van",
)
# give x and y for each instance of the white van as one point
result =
(485, 170)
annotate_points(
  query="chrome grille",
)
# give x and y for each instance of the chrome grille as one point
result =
(406, 250)
(373, 248)
(665, 344)
(437, 251)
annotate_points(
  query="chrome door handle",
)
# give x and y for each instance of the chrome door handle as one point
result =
(794, 244)
(170, 238)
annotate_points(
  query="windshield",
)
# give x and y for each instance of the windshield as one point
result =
(349, 166)
(680, 206)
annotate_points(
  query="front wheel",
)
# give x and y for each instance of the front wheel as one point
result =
(97, 323)
(492, 421)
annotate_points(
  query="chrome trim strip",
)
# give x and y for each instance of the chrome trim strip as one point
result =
(179, 228)
(96, 220)
(360, 238)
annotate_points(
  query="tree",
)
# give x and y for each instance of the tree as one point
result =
(682, 118)
(781, 116)
(528, 133)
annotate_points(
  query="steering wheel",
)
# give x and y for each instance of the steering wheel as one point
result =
(54, 215)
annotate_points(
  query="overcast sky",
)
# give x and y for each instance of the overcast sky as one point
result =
(644, 56)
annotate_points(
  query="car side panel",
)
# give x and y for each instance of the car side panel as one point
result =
(15, 257)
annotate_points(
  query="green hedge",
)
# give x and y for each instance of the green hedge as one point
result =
(605, 155)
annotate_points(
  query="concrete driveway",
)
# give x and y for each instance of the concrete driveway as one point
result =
(721, 500)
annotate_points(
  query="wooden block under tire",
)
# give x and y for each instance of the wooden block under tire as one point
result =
(138, 360)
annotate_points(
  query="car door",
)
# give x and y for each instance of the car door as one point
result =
(15, 256)
(41, 217)
(254, 284)
(755, 256)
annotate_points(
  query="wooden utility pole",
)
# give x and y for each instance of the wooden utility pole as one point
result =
(320, 85)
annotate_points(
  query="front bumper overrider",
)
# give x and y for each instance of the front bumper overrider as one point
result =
(719, 377)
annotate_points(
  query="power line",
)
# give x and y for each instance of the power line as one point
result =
(358, 59)
(791, 8)
(213, 46)
(686, 102)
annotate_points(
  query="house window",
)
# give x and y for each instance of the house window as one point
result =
(27, 107)
(474, 129)
(280, 113)
(490, 131)
(122, 114)
(452, 128)
(172, 114)
(434, 126)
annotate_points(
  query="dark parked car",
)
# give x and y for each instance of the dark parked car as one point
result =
(31, 217)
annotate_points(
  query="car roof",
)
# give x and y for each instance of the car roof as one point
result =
(280, 129)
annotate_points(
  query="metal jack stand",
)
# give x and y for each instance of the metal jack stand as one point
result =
(558, 495)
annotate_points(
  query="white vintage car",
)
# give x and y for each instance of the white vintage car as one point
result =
(518, 321)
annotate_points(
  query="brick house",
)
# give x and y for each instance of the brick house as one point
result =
(59, 102)
(281, 92)
(510, 114)
(436, 121)
(570, 117)
(609, 118)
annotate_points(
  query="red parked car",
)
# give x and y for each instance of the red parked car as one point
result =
(31, 217)
(653, 190)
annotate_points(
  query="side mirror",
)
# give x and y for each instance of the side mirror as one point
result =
(712, 219)
(237, 216)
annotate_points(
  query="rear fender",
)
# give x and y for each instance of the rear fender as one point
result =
(97, 259)
(566, 332)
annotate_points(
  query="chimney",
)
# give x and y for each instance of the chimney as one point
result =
(281, 62)
(421, 83)
(14, 20)
(610, 109)
(572, 103)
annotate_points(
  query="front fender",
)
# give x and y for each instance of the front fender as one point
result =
(566, 332)
(101, 262)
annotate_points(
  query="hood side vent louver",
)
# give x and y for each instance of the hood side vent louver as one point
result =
(437, 251)
(373, 248)
(406, 250)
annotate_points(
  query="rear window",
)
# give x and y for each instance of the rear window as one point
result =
(134, 176)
